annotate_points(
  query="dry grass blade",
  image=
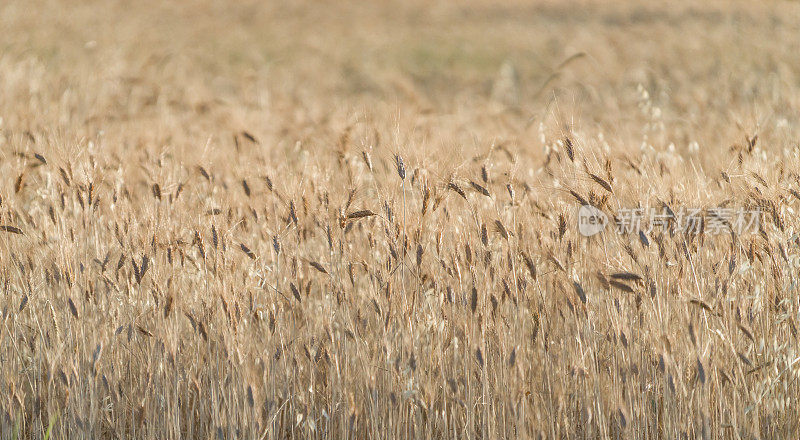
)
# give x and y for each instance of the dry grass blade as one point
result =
(643, 239)
(401, 167)
(499, 227)
(568, 147)
(579, 291)
(140, 270)
(702, 304)
(168, 307)
(64, 176)
(473, 303)
(367, 159)
(360, 214)
(529, 264)
(247, 251)
(19, 183)
(201, 328)
(250, 138)
(479, 188)
(747, 332)
(557, 263)
(11, 229)
(621, 286)
(203, 172)
(745, 359)
(701, 372)
(600, 181)
(295, 292)
(317, 266)
(453, 186)
(626, 276)
(72, 309)
(144, 331)
(562, 226)
(579, 198)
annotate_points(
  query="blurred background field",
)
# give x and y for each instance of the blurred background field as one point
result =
(713, 69)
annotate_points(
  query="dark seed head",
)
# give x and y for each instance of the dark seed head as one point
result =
(401, 167)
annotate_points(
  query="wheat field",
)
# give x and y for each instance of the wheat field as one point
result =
(361, 220)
